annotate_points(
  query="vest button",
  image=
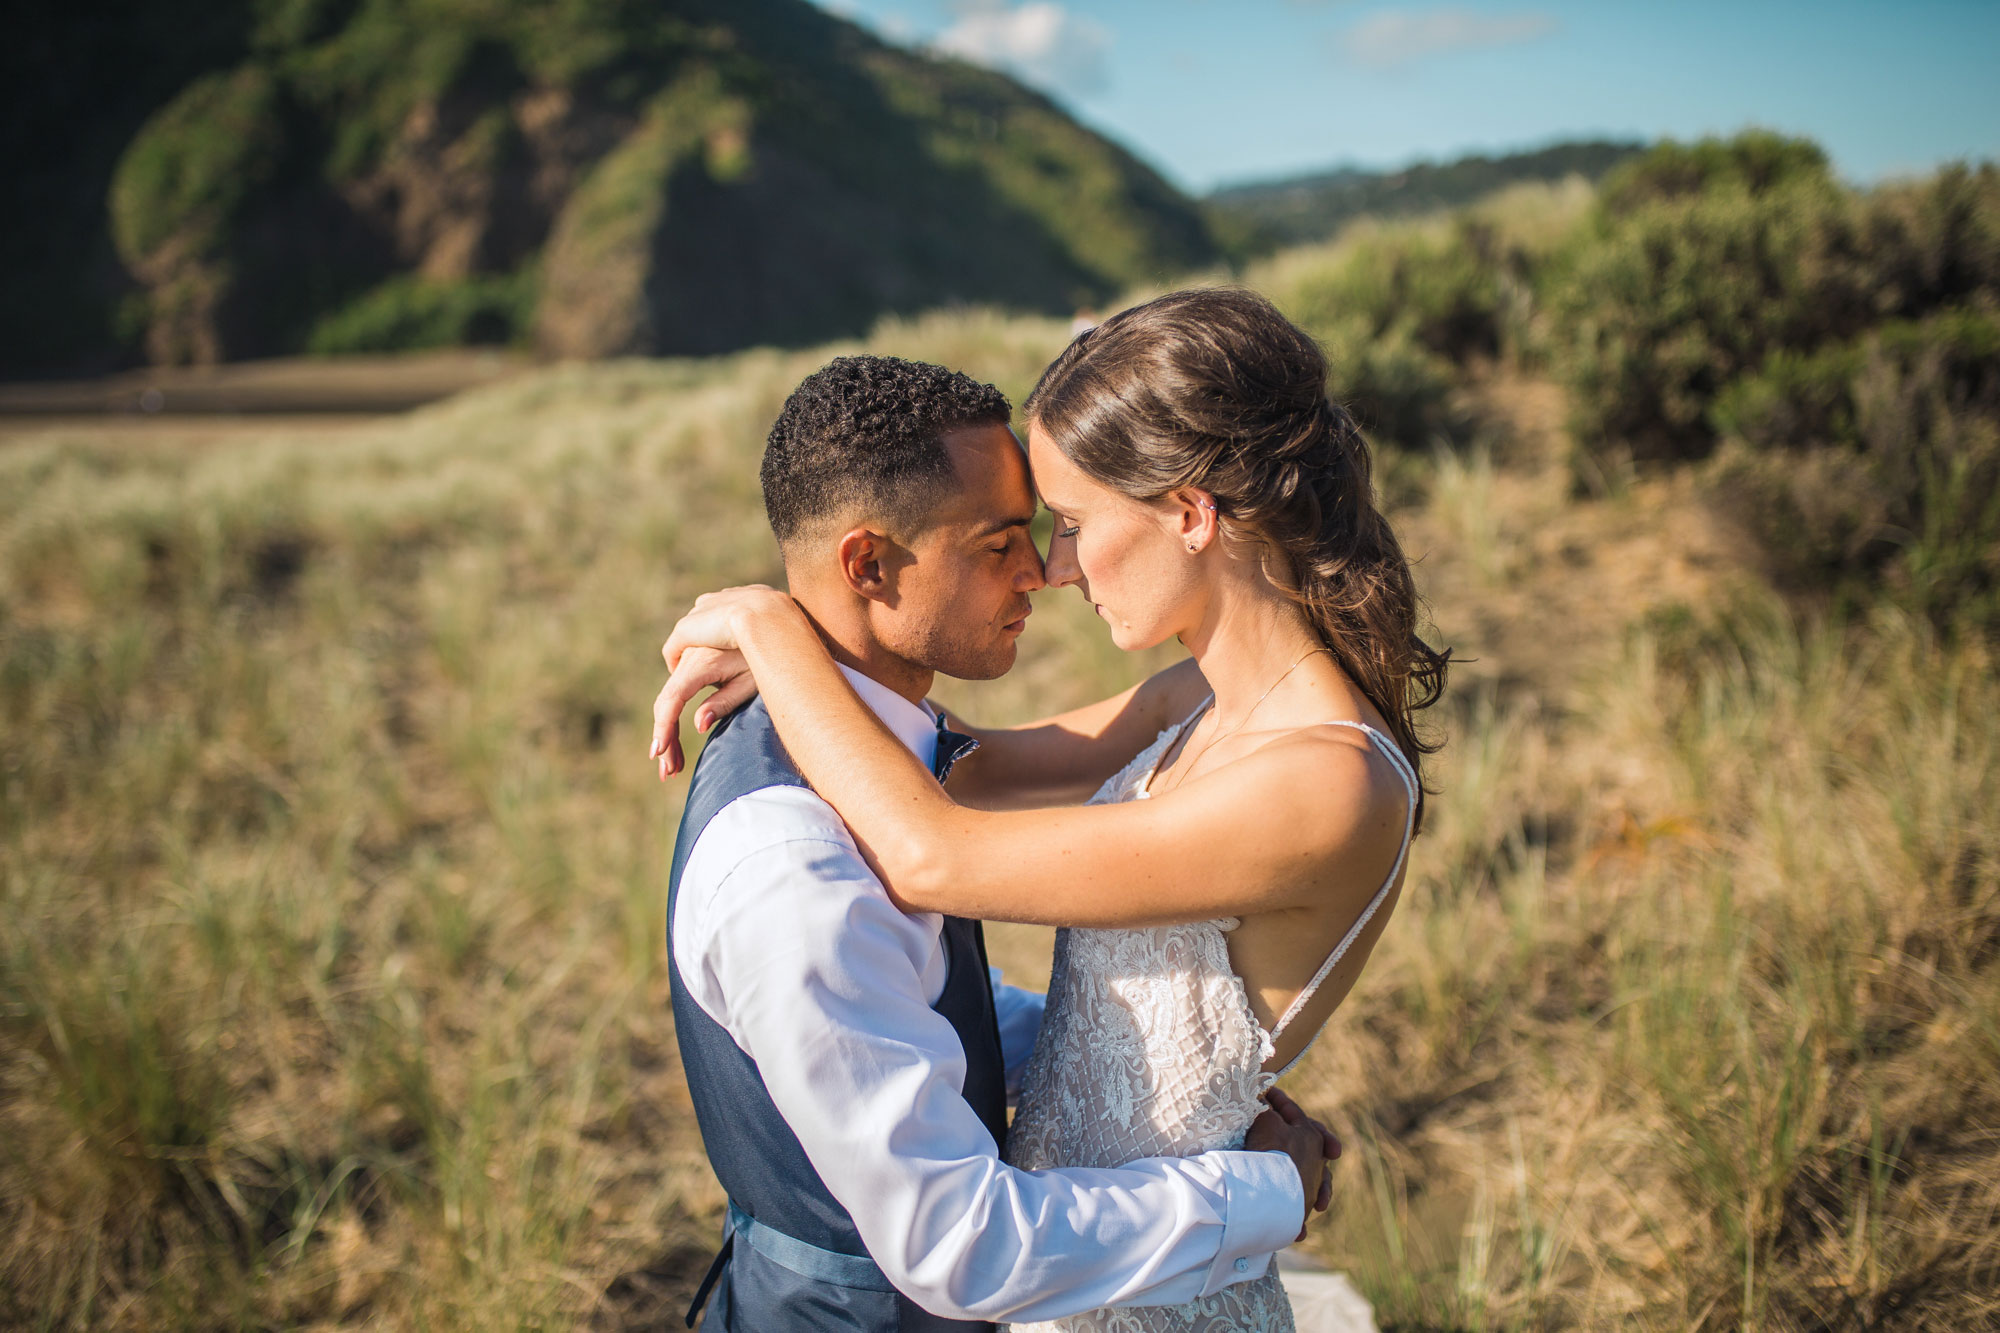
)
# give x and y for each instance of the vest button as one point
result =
(1242, 1265)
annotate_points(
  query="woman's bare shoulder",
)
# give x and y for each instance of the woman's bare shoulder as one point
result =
(1329, 788)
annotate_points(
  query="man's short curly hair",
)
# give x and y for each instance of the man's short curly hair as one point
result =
(869, 430)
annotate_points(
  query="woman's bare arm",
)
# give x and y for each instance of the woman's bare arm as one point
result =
(1058, 760)
(1062, 760)
(1280, 828)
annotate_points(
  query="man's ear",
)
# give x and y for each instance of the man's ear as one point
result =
(868, 563)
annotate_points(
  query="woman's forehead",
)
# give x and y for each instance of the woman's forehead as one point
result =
(1056, 478)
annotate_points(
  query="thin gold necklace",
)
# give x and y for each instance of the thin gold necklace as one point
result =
(1211, 742)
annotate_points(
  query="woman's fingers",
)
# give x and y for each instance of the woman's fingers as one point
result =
(699, 668)
(699, 628)
(731, 695)
(666, 745)
(701, 651)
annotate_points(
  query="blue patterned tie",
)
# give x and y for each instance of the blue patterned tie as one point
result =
(952, 746)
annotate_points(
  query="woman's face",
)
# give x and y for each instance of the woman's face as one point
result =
(1127, 557)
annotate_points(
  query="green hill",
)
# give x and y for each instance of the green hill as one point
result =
(597, 176)
(1267, 214)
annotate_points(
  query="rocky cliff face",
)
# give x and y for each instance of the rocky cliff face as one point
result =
(605, 177)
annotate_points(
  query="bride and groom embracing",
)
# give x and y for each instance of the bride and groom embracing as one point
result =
(1222, 843)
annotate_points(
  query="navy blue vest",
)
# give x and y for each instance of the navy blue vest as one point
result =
(793, 1260)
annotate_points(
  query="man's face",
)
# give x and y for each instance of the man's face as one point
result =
(961, 601)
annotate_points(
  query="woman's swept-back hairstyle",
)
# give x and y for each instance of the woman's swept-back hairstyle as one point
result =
(1213, 388)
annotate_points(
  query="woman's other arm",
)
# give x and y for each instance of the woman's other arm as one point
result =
(1058, 760)
(1064, 759)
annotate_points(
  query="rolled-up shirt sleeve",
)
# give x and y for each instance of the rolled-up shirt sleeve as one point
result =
(786, 938)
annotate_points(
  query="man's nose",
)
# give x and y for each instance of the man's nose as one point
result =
(1034, 574)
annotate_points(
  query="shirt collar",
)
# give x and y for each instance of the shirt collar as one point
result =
(914, 726)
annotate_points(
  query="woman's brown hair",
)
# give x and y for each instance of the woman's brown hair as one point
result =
(1213, 388)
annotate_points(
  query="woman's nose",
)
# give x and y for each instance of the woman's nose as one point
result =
(1061, 569)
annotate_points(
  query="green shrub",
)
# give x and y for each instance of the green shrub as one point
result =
(1663, 309)
(1707, 264)
(1875, 464)
(1399, 390)
(1794, 399)
(406, 313)
(195, 163)
(1934, 243)
(1400, 310)
(1755, 162)
(1799, 399)
(1443, 288)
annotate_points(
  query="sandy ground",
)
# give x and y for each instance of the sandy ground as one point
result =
(292, 392)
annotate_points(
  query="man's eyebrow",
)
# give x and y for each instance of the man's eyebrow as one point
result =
(1000, 525)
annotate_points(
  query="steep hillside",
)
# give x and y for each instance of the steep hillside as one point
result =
(602, 176)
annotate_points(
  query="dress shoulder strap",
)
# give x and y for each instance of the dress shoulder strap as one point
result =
(1208, 702)
(1173, 736)
(1399, 762)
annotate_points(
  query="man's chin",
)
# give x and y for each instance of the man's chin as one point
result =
(987, 666)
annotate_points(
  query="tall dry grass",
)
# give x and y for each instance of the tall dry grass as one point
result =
(332, 884)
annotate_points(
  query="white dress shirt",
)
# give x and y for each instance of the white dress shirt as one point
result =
(785, 937)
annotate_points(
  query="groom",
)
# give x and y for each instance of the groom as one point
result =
(849, 1064)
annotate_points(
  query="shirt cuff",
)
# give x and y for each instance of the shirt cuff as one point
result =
(1264, 1204)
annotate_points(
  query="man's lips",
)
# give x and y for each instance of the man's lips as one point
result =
(1016, 626)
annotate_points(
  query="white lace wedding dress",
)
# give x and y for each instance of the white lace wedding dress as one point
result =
(1149, 1048)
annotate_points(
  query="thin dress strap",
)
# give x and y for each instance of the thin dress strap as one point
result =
(1180, 731)
(1401, 764)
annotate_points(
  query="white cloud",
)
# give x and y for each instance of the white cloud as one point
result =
(1398, 37)
(1038, 42)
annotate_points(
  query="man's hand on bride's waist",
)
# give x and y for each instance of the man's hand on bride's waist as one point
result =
(706, 649)
(1286, 1128)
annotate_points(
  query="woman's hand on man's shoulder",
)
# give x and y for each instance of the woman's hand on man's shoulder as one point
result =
(704, 649)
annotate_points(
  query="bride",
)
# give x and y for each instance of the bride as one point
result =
(1222, 888)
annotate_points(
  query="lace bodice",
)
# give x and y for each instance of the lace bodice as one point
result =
(1149, 1048)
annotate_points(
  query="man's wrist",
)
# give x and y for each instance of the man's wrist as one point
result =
(1261, 1214)
(1306, 1186)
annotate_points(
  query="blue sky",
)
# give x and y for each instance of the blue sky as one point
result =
(1217, 91)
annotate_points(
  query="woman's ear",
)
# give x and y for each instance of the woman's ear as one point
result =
(1195, 515)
